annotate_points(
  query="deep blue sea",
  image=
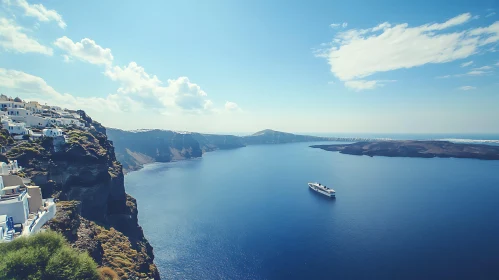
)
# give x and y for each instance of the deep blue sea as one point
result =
(249, 214)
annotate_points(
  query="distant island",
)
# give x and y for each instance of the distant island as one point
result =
(420, 149)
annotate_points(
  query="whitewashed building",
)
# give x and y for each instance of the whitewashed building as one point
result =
(34, 107)
(52, 132)
(9, 168)
(22, 205)
(16, 128)
(36, 121)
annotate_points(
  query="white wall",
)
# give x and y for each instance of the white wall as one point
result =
(17, 209)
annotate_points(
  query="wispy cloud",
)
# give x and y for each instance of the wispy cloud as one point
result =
(467, 88)
(466, 64)
(38, 11)
(335, 25)
(476, 73)
(491, 14)
(232, 106)
(359, 85)
(13, 38)
(443, 77)
(483, 68)
(359, 53)
(479, 71)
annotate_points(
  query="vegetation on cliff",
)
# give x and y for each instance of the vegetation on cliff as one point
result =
(109, 247)
(42, 256)
(94, 213)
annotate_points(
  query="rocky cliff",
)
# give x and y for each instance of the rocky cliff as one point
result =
(84, 169)
(135, 148)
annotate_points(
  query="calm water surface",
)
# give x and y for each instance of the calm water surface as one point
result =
(248, 214)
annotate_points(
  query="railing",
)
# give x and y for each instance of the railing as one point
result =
(21, 196)
(34, 221)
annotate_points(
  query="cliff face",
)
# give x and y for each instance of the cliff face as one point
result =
(211, 142)
(134, 149)
(85, 169)
(276, 137)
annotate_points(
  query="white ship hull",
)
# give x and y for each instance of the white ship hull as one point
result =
(315, 187)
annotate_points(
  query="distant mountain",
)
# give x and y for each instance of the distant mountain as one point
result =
(269, 136)
(139, 147)
(136, 148)
(211, 142)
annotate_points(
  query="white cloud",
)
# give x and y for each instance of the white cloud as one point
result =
(483, 68)
(178, 93)
(38, 11)
(467, 88)
(491, 14)
(187, 95)
(231, 106)
(466, 64)
(335, 25)
(35, 88)
(361, 84)
(475, 17)
(86, 50)
(12, 38)
(443, 77)
(359, 53)
(476, 73)
(381, 26)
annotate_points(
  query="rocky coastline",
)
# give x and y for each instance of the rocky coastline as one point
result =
(94, 211)
(419, 149)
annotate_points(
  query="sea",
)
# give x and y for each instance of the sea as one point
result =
(248, 213)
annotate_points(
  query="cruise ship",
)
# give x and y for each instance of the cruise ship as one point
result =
(322, 189)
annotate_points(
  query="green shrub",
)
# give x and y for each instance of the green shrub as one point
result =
(44, 256)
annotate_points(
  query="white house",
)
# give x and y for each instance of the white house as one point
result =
(16, 128)
(19, 114)
(4, 170)
(52, 132)
(10, 104)
(55, 108)
(9, 168)
(13, 200)
(20, 204)
(34, 107)
(36, 121)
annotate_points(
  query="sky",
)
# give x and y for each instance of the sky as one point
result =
(243, 66)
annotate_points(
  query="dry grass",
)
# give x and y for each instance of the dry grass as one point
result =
(107, 273)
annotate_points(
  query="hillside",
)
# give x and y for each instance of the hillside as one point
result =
(136, 148)
(269, 136)
(83, 170)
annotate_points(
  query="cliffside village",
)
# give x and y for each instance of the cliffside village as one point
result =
(31, 119)
(22, 209)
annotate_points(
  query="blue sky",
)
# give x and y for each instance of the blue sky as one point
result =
(242, 66)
